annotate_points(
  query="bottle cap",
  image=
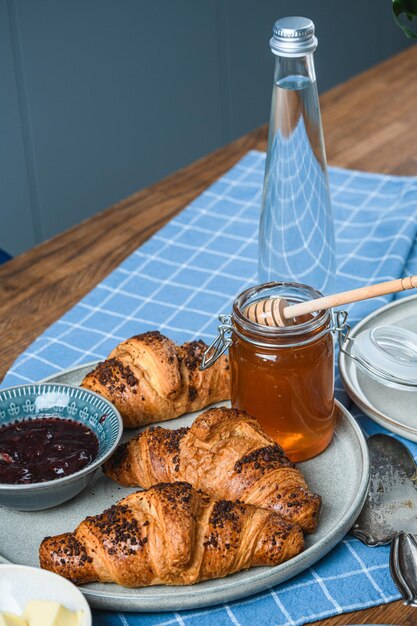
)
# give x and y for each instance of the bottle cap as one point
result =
(293, 37)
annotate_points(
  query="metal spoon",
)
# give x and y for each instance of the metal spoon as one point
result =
(390, 511)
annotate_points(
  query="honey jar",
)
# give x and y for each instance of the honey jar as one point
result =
(283, 376)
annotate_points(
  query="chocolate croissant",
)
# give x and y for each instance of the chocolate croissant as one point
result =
(170, 534)
(151, 379)
(226, 454)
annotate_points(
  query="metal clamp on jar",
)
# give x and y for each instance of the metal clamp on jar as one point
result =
(283, 376)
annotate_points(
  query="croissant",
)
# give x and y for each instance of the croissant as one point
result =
(170, 534)
(226, 454)
(150, 379)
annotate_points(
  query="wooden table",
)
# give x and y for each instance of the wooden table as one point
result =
(368, 124)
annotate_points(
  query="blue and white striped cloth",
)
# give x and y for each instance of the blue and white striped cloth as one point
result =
(179, 281)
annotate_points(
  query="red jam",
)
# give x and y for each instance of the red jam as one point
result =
(40, 449)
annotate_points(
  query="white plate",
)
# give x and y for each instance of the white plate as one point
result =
(343, 496)
(393, 409)
(19, 584)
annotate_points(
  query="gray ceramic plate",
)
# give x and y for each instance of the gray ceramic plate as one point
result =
(343, 496)
(394, 409)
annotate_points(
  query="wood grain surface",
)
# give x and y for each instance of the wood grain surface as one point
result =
(369, 124)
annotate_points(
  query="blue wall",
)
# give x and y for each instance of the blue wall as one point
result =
(101, 98)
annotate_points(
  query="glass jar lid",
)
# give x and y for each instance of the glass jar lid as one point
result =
(388, 353)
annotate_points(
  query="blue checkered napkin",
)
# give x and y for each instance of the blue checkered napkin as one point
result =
(179, 281)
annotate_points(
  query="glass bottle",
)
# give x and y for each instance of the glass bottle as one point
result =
(296, 236)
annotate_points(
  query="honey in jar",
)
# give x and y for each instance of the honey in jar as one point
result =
(284, 376)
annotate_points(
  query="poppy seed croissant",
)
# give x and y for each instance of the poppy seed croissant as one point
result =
(170, 534)
(151, 379)
(226, 454)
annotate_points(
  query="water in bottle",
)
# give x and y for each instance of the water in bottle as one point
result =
(296, 237)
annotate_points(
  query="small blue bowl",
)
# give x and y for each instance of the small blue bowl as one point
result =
(65, 402)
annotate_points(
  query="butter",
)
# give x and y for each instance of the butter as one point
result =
(42, 613)
(10, 619)
(47, 613)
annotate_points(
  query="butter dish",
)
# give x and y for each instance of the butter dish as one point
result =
(20, 585)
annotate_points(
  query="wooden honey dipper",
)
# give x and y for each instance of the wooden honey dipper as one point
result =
(276, 311)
